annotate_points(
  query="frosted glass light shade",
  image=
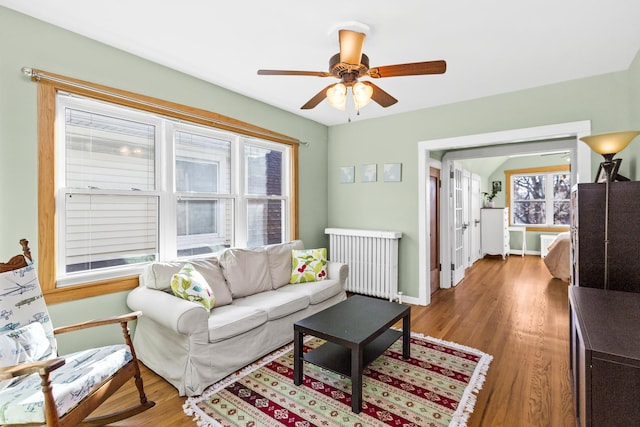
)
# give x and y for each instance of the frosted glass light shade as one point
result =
(361, 94)
(610, 143)
(337, 96)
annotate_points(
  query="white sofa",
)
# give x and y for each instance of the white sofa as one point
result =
(255, 308)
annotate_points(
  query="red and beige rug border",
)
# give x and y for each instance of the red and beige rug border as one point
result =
(460, 418)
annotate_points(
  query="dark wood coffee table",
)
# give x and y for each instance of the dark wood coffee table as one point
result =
(357, 332)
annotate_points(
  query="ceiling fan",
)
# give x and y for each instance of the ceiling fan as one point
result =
(351, 64)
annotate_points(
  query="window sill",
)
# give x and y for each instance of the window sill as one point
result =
(544, 229)
(72, 293)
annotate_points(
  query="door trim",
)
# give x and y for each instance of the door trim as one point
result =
(434, 173)
(580, 157)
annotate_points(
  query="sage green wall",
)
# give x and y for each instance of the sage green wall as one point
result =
(605, 100)
(25, 41)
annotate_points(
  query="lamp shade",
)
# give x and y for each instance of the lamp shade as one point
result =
(610, 143)
(361, 94)
(337, 96)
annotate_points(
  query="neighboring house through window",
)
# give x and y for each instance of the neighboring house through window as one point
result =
(134, 186)
(124, 179)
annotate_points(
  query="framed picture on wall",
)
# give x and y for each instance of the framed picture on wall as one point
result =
(347, 174)
(392, 172)
(368, 173)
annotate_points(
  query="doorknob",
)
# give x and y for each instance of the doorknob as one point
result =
(476, 222)
(465, 226)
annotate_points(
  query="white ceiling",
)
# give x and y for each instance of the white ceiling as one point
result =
(491, 46)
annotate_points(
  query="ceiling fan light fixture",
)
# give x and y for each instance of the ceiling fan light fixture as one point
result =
(361, 94)
(337, 96)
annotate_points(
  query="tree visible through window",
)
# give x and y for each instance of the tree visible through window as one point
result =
(541, 198)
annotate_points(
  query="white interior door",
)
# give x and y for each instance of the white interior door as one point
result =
(457, 256)
(474, 224)
(466, 215)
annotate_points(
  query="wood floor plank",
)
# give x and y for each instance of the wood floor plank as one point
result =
(513, 310)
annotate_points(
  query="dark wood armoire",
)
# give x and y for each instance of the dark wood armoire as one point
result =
(604, 325)
(587, 234)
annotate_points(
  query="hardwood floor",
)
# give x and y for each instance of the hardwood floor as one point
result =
(510, 309)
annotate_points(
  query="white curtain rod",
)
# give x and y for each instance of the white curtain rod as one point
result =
(38, 75)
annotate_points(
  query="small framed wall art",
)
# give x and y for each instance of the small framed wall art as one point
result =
(347, 174)
(368, 173)
(392, 172)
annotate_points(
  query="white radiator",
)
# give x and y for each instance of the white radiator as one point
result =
(372, 257)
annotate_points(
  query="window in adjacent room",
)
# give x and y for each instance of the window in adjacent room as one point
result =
(540, 197)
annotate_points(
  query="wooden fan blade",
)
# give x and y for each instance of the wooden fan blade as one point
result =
(294, 73)
(380, 96)
(412, 69)
(351, 43)
(317, 99)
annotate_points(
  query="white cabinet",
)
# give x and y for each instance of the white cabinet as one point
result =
(494, 226)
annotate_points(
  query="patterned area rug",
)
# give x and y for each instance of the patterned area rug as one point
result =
(435, 387)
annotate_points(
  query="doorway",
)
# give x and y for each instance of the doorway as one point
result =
(485, 145)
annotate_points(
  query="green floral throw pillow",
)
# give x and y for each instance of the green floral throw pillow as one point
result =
(190, 285)
(309, 265)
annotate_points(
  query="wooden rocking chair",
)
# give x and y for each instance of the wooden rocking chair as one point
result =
(36, 386)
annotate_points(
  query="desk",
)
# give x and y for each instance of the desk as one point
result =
(522, 230)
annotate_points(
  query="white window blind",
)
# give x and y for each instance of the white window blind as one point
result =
(108, 230)
(109, 161)
(134, 187)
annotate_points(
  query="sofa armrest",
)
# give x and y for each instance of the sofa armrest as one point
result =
(181, 316)
(338, 271)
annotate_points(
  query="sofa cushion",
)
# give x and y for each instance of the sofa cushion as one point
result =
(280, 261)
(190, 285)
(316, 291)
(276, 304)
(231, 320)
(246, 271)
(157, 275)
(308, 265)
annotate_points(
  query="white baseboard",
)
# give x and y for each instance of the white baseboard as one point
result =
(411, 300)
(519, 252)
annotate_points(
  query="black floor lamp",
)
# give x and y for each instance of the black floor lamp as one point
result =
(608, 144)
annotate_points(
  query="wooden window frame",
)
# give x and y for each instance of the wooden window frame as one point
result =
(48, 86)
(543, 169)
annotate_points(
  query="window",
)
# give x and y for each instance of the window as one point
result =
(540, 196)
(134, 187)
(264, 191)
